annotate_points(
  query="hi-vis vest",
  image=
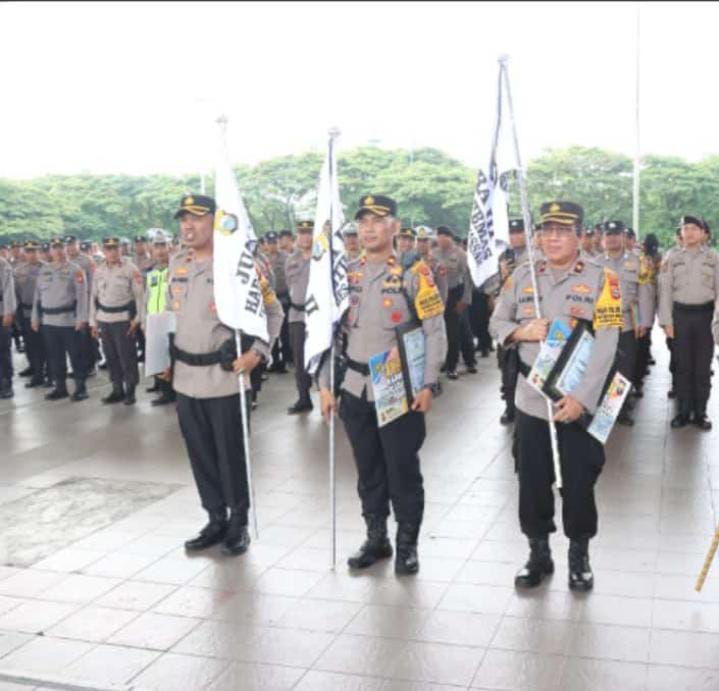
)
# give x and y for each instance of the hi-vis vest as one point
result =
(156, 290)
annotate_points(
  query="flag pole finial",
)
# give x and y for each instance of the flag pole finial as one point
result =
(503, 59)
(334, 132)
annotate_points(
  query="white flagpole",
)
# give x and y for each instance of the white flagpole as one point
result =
(522, 183)
(334, 133)
(637, 149)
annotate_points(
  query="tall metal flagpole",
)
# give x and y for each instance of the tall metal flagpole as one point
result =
(222, 122)
(334, 133)
(527, 216)
(637, 144)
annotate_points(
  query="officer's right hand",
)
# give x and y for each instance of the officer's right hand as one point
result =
(669, 330)
(35, 326)
(328, 404)
(534, 330)
(7, 320)
(94, 332)
(166, 375)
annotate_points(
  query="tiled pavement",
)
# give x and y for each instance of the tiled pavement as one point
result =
(124, 607)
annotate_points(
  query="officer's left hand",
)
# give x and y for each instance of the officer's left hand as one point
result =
(569, 409)
(641, 332)
(79, 326)
(422, 401)
(133, 327)
(7, 320)
(246, 362)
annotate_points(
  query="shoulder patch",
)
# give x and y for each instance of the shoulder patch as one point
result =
(427, 302)
(608, 308)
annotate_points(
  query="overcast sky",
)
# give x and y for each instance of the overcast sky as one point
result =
(134, 88)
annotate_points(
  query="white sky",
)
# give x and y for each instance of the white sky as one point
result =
(114, 87)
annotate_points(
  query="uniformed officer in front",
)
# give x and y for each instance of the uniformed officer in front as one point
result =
(587, 245)
(384, 295)
(281, 352)
(118, 294)
(206, 367)
(508, 358)
(8, 307)
(88, 347)
(353, 250)
(570, 289)
(459, 295)
(688, 290)
(637, 302)
(25, 282)
(297, 273)
(60, 306)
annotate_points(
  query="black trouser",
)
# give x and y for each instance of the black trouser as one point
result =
(626, 358)
(581, 461)
(672, 362)
(387, 459)
(140, 341)
(34, 347)
(480, 319)
(281, 351)
(466, 342)
(212, 430)
(164, 387)
(59, 342)
(88, 348)
(16, 333)
(302, 379)
(643, 352)
(508, 360)
(120, 353)
(693, 350)
(5, 355)
(451, 322)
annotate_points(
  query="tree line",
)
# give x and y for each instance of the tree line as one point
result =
(430, 187)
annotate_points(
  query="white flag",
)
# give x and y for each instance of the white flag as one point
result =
(238, 296)
(489, 221)
(327, 292)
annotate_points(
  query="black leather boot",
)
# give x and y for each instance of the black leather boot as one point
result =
(6, 388)
(300, 407)
(237, 538)
(130, 396)
(80, 393)
(508, 415)
(700, 416)
(116, 396)
(581, 577)
(60, 391)
(165, 398)
(538, 565)
(34, 382)
(406, 561)
(212, 534)
(375, 547)
(683, 418)
(27, 372)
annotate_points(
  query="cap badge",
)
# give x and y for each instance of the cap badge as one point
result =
(369, 201)
(554, 208)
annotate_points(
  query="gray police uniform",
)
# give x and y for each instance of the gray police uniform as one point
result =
(88, 346)
(567, 295)
(26, 275)
(208, 399)
(59, 303)
(297, 272)
(688, 289)
(118, 298)
(8, 306)
(387, 457)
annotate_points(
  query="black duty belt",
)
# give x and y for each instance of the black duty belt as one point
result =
(299, 308)
(197, 359)
(58, 310)
(114, 310)
(26, 308)
(360, 367)
(704, 307)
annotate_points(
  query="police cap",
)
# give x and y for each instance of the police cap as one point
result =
(197, 205)
(376, 204)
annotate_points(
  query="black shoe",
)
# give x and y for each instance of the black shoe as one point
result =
(300, 407)
(581, 578)
(406, 562)
(80, 393)
(47, 383)
(471, 369)
(638, 392)
(6, 389)
(164, 399)
(375, 547)
(102, 365)
(507, 416)
(34, 383)
(538, 565)
(130, 396)
(27, 372)
(452, 374)
(651, 360)
(684, 417)
(116, 396)
(484, 352)
(153, 389)
(237, 538)
(212, 534)
(625, 419)
(56, 395)
(700, 417)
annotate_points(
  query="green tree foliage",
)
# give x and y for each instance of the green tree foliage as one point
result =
(430, 187)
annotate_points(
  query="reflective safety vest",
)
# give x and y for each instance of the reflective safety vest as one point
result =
(156, 290)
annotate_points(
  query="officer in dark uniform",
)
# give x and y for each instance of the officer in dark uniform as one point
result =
(384, 295)
(570, 289)
(688, 290)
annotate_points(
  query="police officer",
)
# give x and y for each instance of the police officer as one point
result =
(156, 291)
(570, 288)
(670, 341)
(8, 307)
(117, 294)
(87, 264)
(406, 250)
(688, 289)
(650, 260)
(286, 241)
(459, 294)
(637, 302)
(587, 247)
(142, 257)
(352, 244)
(281, 352)
(508, 358)
(597, 238)
(297, 272)
(60, 306)
(26, 275)
(206, 365)
(384, 295)
(425, 236)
